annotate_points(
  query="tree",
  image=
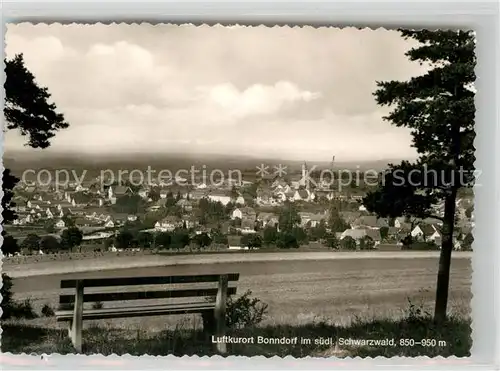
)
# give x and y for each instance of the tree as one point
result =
(28, 110)
(384, 232)
(68, 221)
(337, 224)
(6, 292)
(300, 235)
(318, 232)
(31, 242)
(366, 243)
(27, 106)
(234, 193)
(252, 240)
(108, 243)
(50, 244)
(289, 217)
(154, 194)
(9, 245)
(124, 239)
(270, 235)
(71, 237)
(287, 240)
(467, 242)
(144, 240)
(331, 241)
(468, 212)
(163, 239)
(348, 243)
(50, 227)
(219, 238)
(9, 181)
(180, 239)
(438, 108)
(202, 240)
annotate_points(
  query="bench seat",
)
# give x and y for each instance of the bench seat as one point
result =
(137, 311)
(210, 301)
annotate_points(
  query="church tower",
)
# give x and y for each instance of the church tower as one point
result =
(305, 181)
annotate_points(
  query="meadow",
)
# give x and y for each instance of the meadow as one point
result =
(363, 297)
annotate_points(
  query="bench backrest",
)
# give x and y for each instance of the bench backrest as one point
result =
(147, 281)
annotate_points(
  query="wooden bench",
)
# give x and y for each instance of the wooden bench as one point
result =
(215, 291)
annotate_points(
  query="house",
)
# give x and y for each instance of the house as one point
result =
(80, 188)
(216, 196)
(303, 195)
(359, 233)
(185, 205)
(432, 221)
(265, 198)
(426, 232)
(371, 221)
(240, 200)
(355, 233)
(374, 234)
(158, 205)
(198, 194)
(143, 192)
(168, 223)
(60, 224)
(118, 191)
(350, 217)
(190, 221)
(244, 213)
(97, 236)
(109, 223)
(268, 219)
(311, 219)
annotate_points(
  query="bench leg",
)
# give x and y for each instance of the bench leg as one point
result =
(208, 324)
(220, 313)
(77, 322)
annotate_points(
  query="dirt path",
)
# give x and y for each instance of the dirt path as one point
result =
(145, 261)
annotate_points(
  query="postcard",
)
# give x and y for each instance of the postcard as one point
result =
(174, 189)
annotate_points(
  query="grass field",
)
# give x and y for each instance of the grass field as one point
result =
(306, 296)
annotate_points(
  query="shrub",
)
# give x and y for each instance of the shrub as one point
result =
(416, 314)
(245, 311)
(240, 313)
(97, 305)
(421, 245)
(24, 310)
(47, 311)
(6, 292)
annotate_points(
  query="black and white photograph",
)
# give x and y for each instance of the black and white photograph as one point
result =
(174, 189)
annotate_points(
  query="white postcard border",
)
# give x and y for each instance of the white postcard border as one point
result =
(480, 16)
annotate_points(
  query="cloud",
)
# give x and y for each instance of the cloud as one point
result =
(303, 91)
(257, 99)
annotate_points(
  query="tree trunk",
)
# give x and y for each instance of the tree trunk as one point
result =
(443, 277)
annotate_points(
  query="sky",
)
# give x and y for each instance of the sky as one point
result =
(296, 93)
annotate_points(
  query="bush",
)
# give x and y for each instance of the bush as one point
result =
(47, 311)
(240, 313)
(423, 246)
(23, 310)
(6, 292)
(244, 311)
(97, 305)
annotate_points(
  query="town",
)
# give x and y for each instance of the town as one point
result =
(271, 212)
